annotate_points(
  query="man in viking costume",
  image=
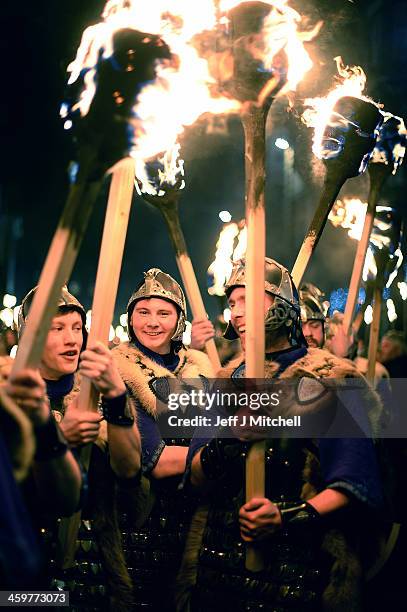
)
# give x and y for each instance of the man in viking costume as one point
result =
(318, 491)
(153, 359)
(98, 578)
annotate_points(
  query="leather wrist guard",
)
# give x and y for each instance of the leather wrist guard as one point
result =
(51, 444)
(297, 513)
(114, 411)
(217, 455)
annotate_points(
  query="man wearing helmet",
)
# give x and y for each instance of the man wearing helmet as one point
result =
(115, 459)
(152, 359)
(313, 315)
(315, 488)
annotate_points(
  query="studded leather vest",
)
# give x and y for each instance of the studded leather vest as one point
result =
(293, 575)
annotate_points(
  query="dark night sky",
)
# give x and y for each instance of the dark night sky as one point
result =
(38, 41)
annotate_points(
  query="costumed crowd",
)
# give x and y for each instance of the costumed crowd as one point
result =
(104, 505)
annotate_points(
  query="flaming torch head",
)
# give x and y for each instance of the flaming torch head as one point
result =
(391, 144)
(100, 102)
(249, 39)
(350, 135)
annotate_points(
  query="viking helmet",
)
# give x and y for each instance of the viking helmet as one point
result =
(66, 301)
(158, 284)
(286, 307)
(313, 308)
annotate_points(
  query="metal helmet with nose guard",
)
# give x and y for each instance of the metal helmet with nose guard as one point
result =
(159, 284)
(285, 311)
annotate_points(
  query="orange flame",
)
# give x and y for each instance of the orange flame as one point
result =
(349, 213)
(351, 82)
(231, 246)
(281, 32)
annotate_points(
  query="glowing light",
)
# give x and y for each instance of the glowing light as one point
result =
(68, 124)
(6, 315)
(225, 216)
(368, 317)
(226, 315)
(395, 272)
(16, 312)
(281, 143)
(351, 82)
(88, 319)
(403, 290)
(121, 333)
(13, 351)
(186, 84)
(391, 310)
(231, 246)
(391, 144)
(350, 214)
(186, 336)
(9, 301)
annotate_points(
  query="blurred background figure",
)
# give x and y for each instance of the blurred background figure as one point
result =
(393, 353)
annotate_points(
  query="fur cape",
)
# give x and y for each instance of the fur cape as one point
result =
(344, 589)
(139, 372)
(330, 370)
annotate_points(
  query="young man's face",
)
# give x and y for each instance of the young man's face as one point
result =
(314, 333)
(63, 346)
(237, 305)
(154, 322)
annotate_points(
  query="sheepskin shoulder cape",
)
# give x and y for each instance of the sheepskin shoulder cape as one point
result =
(317, 363)
(139, 372)
(321, 364)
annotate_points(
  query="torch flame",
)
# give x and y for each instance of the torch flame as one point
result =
(281, 32)
(350, 82)
(231, 246)
(349, 213)
(184, 87)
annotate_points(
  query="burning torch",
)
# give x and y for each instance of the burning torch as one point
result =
(388, 155)
(264, 56)
(383, 261)
(113, 64)
(166, 199)
(346, 128)
(99, 114)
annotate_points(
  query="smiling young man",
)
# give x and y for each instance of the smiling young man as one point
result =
(316, 490)
(153, 358)
(115, 459)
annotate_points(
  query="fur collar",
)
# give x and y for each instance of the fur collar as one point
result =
(139, 372)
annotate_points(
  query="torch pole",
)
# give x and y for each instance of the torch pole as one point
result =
(104, 299)
(374, 334)
(378, 174)
(168, 205)
(254, 124)
(58, 264)
(332, 186)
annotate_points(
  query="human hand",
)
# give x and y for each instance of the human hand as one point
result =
(28, 390)
(202, 331)
(259, 518)
(97, 364)
(80, 426)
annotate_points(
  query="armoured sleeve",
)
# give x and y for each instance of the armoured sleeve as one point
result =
(152, 443)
